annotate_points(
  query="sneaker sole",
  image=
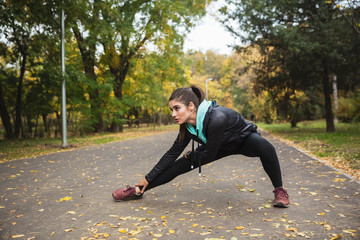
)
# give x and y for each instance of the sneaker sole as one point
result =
(126, 199)
(281, 205)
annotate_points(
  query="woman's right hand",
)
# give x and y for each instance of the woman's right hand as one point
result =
(143, 183)
(186, 154)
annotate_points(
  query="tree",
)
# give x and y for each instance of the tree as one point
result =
(83, 18)
(350, 12)
(302, 44)
(130, 25)
(19, 24)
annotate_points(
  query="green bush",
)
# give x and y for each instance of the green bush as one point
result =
(349, 108)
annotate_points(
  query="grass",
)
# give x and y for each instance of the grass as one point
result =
(18, 149)
(341, 148)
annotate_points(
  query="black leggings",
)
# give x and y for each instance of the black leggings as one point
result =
(253, 146)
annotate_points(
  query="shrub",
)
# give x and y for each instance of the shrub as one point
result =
(349, 108)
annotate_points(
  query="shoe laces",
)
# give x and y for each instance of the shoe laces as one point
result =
(281, 192)
(128, 188)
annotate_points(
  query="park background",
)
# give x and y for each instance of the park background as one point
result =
(293, 69)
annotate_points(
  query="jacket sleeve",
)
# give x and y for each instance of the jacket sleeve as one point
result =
(216, 129)
(168, 158)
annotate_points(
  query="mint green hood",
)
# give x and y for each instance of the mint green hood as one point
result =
(200, 116)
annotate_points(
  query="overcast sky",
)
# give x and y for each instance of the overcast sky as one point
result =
(209, 34)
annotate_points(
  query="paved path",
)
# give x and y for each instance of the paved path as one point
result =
(67, 195)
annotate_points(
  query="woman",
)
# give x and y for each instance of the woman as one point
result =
(220, 131)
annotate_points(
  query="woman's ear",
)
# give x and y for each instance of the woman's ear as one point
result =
(192, 107)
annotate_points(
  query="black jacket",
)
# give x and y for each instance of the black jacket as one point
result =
(224, 128)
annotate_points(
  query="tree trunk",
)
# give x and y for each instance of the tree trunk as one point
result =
(36, 126)
(120, 75)
(18, 104)
(29, 125)
(87, 49)
(330, 127)
(335, 94)
(5, 117)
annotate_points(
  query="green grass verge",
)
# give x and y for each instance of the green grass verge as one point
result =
(341, 148)
(17, 149)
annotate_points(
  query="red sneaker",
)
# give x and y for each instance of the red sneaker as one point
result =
(124, 194)
(281, 198)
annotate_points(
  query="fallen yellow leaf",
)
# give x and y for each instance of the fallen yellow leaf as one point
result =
(64, 199)
(100, 224)
(339, 179)
(337, 237)
(268, 220)
(277, 225)
(106, 235)
(292, 229)
(171, 231)
(301, 234)
(113, 226)
(239, 227)
(256, 235)
(18, 236)
(267, 205)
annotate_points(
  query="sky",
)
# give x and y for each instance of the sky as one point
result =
(209, 34)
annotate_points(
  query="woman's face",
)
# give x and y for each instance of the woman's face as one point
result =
(180, 112)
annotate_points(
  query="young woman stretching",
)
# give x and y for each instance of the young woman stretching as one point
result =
(220, 131)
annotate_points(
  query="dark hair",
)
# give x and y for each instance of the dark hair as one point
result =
(192, 94)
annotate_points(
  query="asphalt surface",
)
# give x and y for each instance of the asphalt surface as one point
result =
(67, 195)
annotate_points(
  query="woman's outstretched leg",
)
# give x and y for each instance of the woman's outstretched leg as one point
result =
(180, 166)
(256, 146)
